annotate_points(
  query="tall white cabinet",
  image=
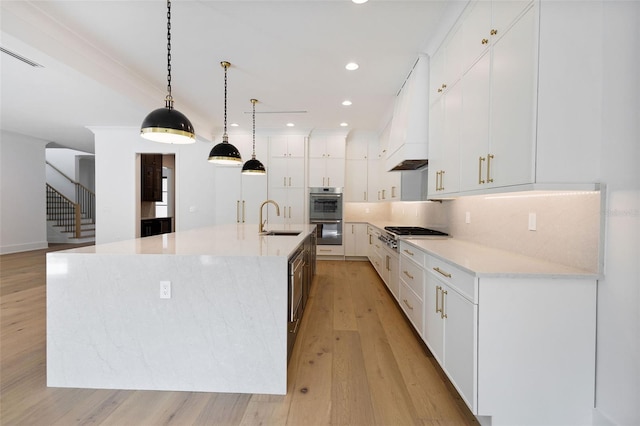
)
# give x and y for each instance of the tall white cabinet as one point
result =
(286, 177)
(238, 196)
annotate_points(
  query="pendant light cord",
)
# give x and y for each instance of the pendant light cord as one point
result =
(169, 98)
(253, 155)
(225, 65)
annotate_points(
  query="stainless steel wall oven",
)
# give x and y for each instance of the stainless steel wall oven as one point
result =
(325, 211)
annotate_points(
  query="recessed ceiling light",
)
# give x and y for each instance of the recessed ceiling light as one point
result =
(352, 66)
(290, 124)
(344, 124)
(346, 102)
(234, 124)
(359, 1)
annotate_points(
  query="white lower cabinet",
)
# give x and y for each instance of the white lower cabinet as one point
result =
(330, 250)
(451, 334)
(519, 348)
(355, 238)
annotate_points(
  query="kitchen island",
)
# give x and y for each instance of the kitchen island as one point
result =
(200, 310)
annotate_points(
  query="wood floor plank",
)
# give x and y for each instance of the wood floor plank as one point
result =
(350, 391)
(356, 362)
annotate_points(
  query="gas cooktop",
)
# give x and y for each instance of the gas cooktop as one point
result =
(413, 230)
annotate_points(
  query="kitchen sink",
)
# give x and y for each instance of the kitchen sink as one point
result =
(282, 233)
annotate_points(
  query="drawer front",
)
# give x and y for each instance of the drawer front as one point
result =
(412, 275)
(412, 306)
(416, 255)
(330, 250)
(458, 279)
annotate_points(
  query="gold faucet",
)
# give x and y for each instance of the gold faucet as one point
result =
(261, 224)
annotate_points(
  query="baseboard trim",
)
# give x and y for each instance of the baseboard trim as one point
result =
(17, 248)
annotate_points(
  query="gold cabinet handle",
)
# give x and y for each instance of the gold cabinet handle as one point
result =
(443, 314)
(289, 212)
(441, 272)
(485, 41)
(438, 180)
(408, 252)
(444, 86)
(439, 89)
(406, 302)
(441, 180)
(364, 195)
(494, 32)
(243, 210)
(393, 192)
(237, 211)
(386, 266)
(489, 158)
(408, 274)
(289, 180)
(438, 288)
(480, 160)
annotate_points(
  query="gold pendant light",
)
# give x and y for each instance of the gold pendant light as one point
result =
(224, 153)
(254, 166)
(168, 125)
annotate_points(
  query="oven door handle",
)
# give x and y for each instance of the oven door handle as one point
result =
(324, 221)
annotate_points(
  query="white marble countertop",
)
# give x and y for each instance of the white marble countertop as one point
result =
(484, 261)
(236, 240)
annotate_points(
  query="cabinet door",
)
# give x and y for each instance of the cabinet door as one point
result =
(513, 98)
(474, 141)
(503, 13)
(355, 188)
(476, 28)
(317, 172)
(436, 146)
(278, 146)
(278, 175)
(295, 171)
(335, 172)
(394, 276)
(450, 174)
(228, 195)
(254, 192)
(460, 344)
(433, 327)
(296, 201)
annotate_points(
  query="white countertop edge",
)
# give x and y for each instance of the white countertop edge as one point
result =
(483, 261)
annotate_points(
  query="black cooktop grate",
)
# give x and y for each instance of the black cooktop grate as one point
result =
(413, 230)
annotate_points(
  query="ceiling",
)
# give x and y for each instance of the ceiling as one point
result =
(104, 63)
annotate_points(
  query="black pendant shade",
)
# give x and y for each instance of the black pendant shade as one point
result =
(253, 166)
(225, 154)
(167, 125)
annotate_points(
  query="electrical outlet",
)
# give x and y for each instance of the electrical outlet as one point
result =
(165, 289)
(467, 217)
(532, 222)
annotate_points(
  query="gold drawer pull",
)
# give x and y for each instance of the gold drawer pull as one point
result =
(438, 270)
(494, 32)
(408, 274)
(408, 252)
(485, 41)
(406, 302)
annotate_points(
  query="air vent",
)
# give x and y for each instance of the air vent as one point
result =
(21, 58)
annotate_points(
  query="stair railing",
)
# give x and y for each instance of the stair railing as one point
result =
(84, 196)
(65, 212)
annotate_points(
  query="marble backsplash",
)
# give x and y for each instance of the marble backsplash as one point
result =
(568, 225)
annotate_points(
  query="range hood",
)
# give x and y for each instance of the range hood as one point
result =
(409, 137)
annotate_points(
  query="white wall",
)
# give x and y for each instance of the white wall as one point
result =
(618, 354)
(22, 193)
(117, 177)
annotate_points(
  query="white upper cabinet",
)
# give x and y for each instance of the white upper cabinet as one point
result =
(327, 160)
(528, 93)
(286, 146)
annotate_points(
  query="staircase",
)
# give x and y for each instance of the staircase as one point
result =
(69, 221)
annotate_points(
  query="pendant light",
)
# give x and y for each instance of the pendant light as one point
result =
(224, 153)
(254, 166)
(166, 124)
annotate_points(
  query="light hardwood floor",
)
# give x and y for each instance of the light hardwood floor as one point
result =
(356, 362)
